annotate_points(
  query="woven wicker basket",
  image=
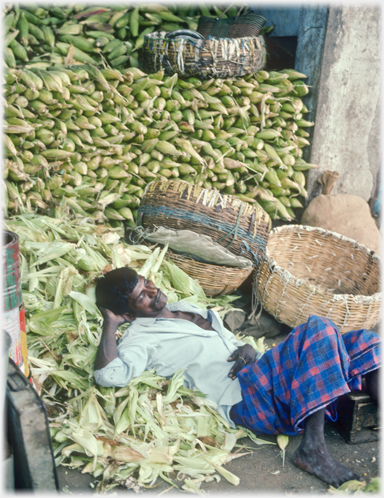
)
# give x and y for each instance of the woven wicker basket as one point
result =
(240, 227)
(217, 58)
(312, 271)
(216, 280)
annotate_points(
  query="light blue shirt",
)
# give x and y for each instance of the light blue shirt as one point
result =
(171, 344)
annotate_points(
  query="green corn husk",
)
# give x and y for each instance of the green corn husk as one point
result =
(9, 57)
(282, 441)
(19, 50)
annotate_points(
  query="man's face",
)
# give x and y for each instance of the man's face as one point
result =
(146, 300)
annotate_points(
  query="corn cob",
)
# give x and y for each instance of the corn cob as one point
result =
(194, 134)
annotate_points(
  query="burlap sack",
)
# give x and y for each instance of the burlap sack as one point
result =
(346, 214)
(197, 244)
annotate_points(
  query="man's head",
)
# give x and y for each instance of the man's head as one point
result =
(124, 292)
(113, 289)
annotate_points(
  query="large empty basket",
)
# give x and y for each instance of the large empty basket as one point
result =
(311, 271)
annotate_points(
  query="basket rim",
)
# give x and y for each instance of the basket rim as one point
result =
(222, 198)
(188, 259)
(337, 235)
(286, 274)
(156, 35)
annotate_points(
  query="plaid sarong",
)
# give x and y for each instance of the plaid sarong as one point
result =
(308, 371)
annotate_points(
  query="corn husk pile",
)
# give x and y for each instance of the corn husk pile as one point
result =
(128, 436)
(90, 139)
(354, 487)
(41, 35)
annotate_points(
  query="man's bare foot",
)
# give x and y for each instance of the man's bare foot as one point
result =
(323, 465)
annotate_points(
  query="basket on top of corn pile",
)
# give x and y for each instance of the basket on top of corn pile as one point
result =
(219, 48)
(215, 238)
(311, 271)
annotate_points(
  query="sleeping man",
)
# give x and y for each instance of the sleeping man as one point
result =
(291, 389)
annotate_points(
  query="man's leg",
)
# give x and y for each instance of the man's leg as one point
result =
(313, 456)
(292, 389)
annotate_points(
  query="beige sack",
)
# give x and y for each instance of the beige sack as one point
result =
(348, 215)
(197, 244)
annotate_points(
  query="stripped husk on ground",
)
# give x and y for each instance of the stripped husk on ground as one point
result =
(133, 435)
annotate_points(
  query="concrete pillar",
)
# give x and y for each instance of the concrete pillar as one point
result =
(345, 103)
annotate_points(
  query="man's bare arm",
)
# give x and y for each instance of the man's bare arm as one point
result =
(107, 350)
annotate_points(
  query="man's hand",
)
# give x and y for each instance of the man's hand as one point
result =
(107, 350)
(242, 356)
(110, 318)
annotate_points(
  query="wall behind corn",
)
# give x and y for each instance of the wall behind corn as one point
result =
(338, 48)
(346, 137)
(285, 19)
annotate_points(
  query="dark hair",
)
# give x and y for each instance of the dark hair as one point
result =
(113, 289)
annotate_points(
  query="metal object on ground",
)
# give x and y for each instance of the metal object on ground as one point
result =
(13, 317)
(357, 418)
(29, 436)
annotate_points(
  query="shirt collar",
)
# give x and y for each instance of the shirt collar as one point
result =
(147, 322)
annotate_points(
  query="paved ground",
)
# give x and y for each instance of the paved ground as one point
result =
(262, 471)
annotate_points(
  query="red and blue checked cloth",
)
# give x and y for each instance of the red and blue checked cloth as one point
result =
(308, 371)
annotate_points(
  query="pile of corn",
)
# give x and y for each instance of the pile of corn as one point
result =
(40, 36)
(127, 436)
(91, 139)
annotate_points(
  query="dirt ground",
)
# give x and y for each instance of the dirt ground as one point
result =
(262, 471)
